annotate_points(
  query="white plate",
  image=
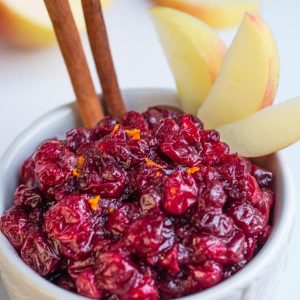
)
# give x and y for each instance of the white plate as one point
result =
(3, 293)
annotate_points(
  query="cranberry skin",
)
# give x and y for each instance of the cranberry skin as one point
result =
(38, 254)
(108, 181)
(150, 200)
(170, 260)
(265, 204)
(67, 283)
(79, 139)
(86, 285)
(263, 177)
(156, 113)
(69, 223)
(27, 197)
(15, 225)
(76, 267)
(207, 275)
(214, 223)
(115, 273)
(205, 247)
(180, 193)
(212, 195)
(27, 174)
(134, 120)
(247, 217)
(150, 235)
(106, 126)
(144, 289)
(120, 219)
(181, 149)
(53, 164)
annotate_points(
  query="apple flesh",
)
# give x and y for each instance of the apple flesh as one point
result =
(265, 132)
(248, 78)
(27, 24)
(216, 13)
(194, 52)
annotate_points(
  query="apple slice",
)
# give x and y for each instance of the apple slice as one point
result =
(27, 24)
(248, 78)
(194, 52)
(216, 13)
(265, 132)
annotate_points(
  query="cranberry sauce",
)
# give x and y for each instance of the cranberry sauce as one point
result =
(152, 207)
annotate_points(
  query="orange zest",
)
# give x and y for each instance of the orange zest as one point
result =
(134, 134)
(116, 127)
(151, 163)
(80, 162)
(76, 172)
(111, 210)
(192, 170)
(94, 202)
(173, 190)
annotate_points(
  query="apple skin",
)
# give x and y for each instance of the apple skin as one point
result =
(248, 78)
(221, 14)
(194, 52)
(265, 132)
(19, 31)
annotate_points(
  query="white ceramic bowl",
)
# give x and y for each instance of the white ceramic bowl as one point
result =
(258, 280)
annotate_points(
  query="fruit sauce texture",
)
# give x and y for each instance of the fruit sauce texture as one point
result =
(152, 207)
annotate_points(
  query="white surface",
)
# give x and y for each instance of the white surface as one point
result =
(33, 82)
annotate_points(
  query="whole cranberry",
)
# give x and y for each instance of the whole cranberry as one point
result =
(212, 222)
(154, 114)
(120, 219)
(132, 120)
(115, 273)
(86, 285)
(180, 193)
(79, 139)
(27, 197)
(212, 195)
(108, 180)
(150, 235)
(105, 126)
(69, 223)
(15, 225)
(247, 217)
(38, 253)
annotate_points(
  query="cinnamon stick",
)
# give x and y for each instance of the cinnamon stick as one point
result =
(102, 56)
(70, 44)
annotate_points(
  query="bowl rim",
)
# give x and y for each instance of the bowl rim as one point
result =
(247, 274)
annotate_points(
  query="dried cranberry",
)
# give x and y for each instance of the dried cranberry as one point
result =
(38, 253)
(154, 114)
(133, 120)
(115, 273)
(15, 225)
(27, 197)
(150, 235)
(69, 223)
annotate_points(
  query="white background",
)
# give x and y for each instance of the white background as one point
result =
(33, 82)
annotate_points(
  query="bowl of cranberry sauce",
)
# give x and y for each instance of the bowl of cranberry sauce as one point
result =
(149, 207)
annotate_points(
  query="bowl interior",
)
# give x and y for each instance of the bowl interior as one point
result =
(57, 122)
